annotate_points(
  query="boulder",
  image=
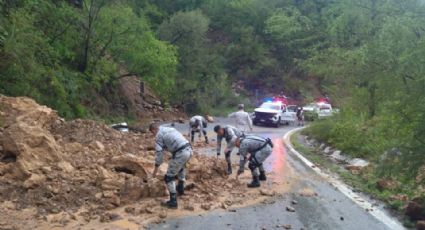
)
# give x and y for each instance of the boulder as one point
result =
(34, 181)
(420, 225)
(338, 157)
(266, 192)
(357, 162)
(129, 164)
(415, 209)
(327, 150)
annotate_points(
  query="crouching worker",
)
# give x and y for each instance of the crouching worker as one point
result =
(230, 134)
(198, 124)
(173, 141)
(259, 149)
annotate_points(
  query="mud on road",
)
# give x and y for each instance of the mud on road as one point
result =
(82, 174)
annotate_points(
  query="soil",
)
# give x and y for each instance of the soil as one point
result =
(81, 174)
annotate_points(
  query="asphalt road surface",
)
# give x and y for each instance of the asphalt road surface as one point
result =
(329, 209)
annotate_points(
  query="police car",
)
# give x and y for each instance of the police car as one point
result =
(273, 113)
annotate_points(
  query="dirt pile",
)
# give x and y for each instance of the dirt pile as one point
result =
(82, 170)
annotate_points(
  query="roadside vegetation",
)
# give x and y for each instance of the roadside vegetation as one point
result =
(395, 195)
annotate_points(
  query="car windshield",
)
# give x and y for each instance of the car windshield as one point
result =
(292, 108)
(270, 106)
(325, 107)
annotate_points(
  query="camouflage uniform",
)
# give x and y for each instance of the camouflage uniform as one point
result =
(198, 124)
(259, 148)
(173, 141)
(230, 135)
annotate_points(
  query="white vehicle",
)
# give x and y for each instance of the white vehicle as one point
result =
(322, 110)
(290, 115)
(275, 113)
(325, 110)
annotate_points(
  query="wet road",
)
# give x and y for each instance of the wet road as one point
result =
(329, 209)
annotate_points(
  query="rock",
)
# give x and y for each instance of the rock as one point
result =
(206, 206)
(180, 120)
(99, 146)
(265, 192)
(287, 226)
(327, 150)
(62, 218)
(290, 209)
(108, 194)
(338, 157)
(98, 195)
(149, 210)
(223, 205)
(115, 200)
(34, 181)
(322, 146)
(294, 202)
(415, 209)
(107, 217)
(336, 153)
(420, 225)
(9, 205)
(357, 162)
(210, 119)
(341, 218)
(162, 214)
(130, 164)
(130, 210)
(189, 207)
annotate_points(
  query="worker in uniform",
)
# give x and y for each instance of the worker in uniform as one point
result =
(198, 124)
(259, 149)
(230, 134)
(300, 116)
(243, 120)
(170, 139)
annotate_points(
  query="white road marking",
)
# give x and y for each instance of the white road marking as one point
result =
(345, 189)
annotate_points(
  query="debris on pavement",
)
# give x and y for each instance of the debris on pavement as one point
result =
(290, 209)
(86, 169)
(287, 226)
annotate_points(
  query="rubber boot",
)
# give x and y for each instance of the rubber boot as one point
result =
(206, 140)
(172, 203)
(192, 138)
(262, 176)
(229, 169)
(180, 188)
(255, 183)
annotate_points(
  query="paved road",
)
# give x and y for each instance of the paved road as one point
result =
(330, 209)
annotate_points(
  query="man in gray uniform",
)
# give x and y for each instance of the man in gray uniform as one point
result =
(198, 124)
(242, 118)
(230, 134)
(259, 149)
(170, 139)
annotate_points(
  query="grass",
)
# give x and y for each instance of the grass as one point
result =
(364, 182)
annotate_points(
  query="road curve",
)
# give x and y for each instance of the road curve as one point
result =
(329, 209)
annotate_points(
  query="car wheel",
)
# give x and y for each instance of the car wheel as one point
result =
(277, 124)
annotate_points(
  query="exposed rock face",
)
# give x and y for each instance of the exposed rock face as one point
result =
(415, 209)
